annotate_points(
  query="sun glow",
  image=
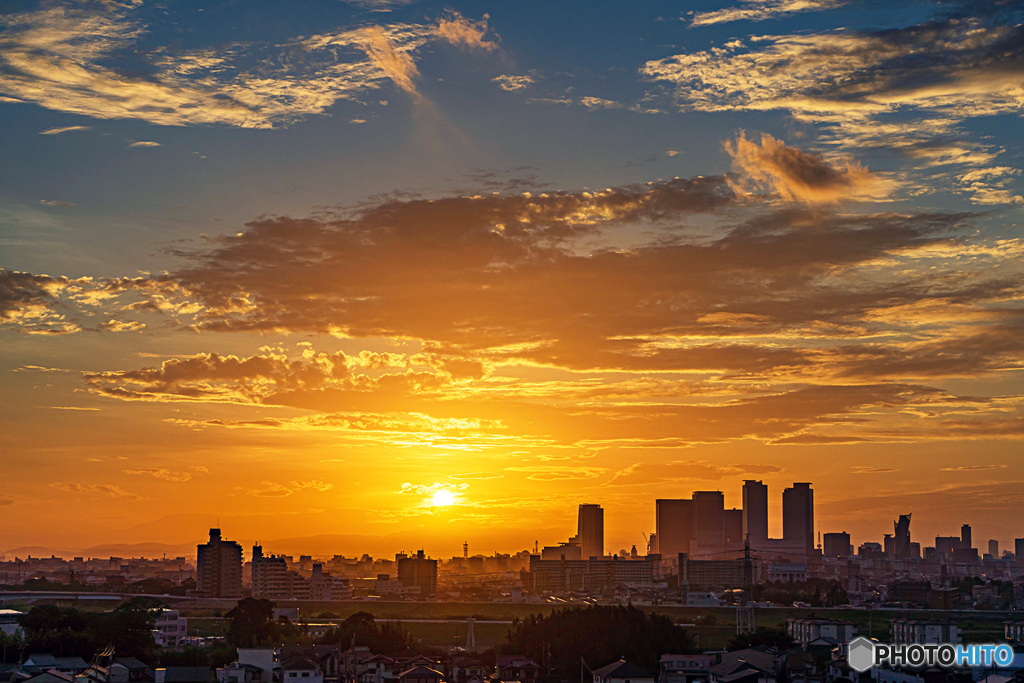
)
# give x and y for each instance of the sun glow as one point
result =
(443, 497)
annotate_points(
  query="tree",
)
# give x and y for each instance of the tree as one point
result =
(251, 623)
(769, 637)
(596, 634)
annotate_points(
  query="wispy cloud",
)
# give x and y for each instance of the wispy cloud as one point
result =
(66, 129)
(69, 58)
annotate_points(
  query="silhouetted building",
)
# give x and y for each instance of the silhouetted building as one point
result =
(798, 517)
(418, 571)
(1018, 549)
(708, 522)
(837, 544)
(590, 531)
(965, 536)
(755, 512)
(734, 527)
(945, 545)
(218, 568)
(673, 526)
(901, 538)
(711, 574)
(558, 576)
(993, 548)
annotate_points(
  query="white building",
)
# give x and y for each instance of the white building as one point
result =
(170, 629)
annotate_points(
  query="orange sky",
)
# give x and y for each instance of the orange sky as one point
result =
(442, 265)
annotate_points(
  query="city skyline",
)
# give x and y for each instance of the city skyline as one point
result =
(405, 274)
(678, 528)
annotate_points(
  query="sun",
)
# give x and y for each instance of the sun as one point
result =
(443, 497)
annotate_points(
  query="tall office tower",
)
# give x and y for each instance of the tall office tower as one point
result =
(889, 545)
(673, 519)
(993, 548)
(755, 512)
(901, 539)
(1018, 549)
(734, 527)
(965, 537)
(837, 544)
(708, 522)
(798, 517)
(219, 568)
(590, 531)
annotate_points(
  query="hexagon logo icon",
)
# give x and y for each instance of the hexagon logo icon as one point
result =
(861, 655)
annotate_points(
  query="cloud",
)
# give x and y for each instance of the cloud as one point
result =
(161, 473)
(29, 302)
(103, 489)
(865, 469)
(270, 489)
(113, 325)
(899, 89)
(513, 82)
(145, 143)
(395, 63)
(460, 31)
(972, 468)
(66, 129)
(73, 59)
(557, 472)
(55, 202)
(6, 501)
(759, 10)
(430, 489)
(794, 174)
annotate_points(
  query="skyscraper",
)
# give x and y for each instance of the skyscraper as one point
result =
(755, 512)
(218, 568)
(798, 517)
(590, 531)
(673, 519)
(708, 522)
(965, 537)
(901, 538)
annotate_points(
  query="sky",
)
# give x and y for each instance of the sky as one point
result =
(291, 270)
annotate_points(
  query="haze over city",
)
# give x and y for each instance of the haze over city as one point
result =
(375, 276)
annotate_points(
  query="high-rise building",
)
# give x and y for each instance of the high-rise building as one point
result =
(837, 544)
(1018, 549)
(798, 517)
(418, 571)
(218, 568)
(993, 548)
(708, 523)
(590, 531)
(901, 537)
(755, 512)
(965, 537)
(673, 519)
(734, 527)
(944, 545)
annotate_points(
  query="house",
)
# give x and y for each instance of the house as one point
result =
(301, 669)
(516, 668)
(622, 672)
(740, 672)
(684, 668)
(421, 674)
(46, 662)
(183, 674)
(130, 670)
